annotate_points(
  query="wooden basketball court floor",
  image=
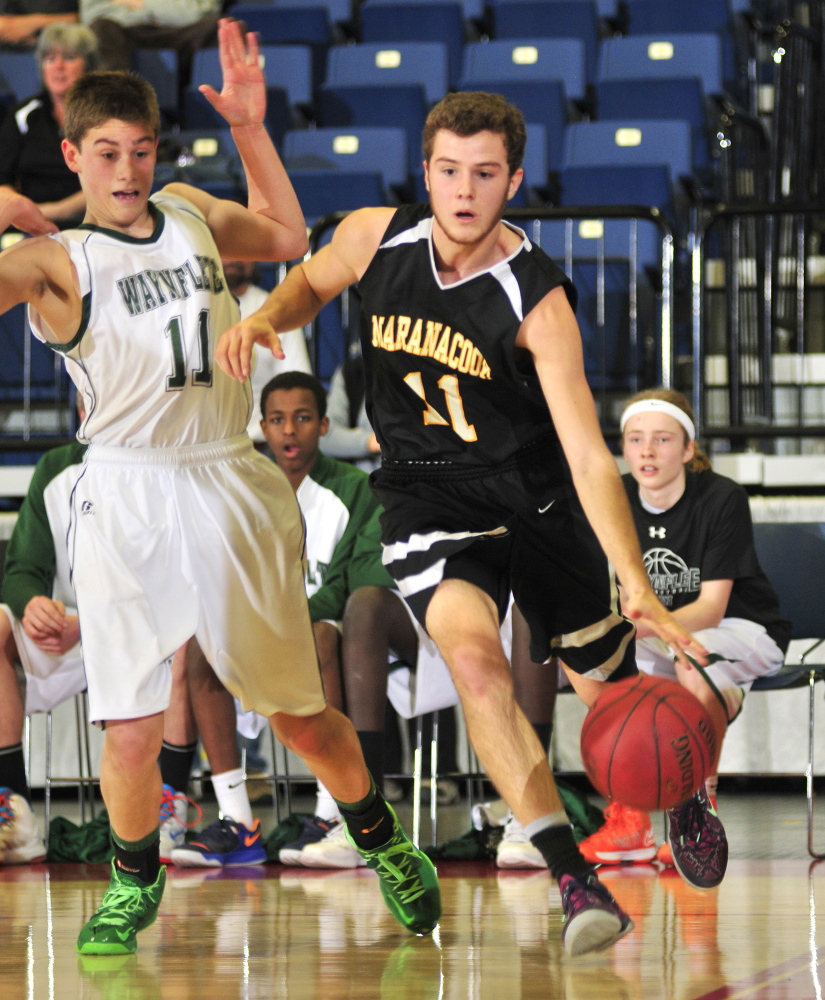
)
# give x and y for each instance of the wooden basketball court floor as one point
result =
(295, 934)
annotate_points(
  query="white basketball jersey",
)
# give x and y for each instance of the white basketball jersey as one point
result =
(153, 310)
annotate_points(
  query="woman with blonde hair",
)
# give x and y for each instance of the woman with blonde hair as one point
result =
(696, 536)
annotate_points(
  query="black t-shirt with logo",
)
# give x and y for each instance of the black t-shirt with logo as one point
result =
(707, 535)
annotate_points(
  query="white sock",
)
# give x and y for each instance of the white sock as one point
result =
(233, 802)
(325, 805)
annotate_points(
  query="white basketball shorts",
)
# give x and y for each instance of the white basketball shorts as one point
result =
(740, 652)
(204, 540)
(49, 679)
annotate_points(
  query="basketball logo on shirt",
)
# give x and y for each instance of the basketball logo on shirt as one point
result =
(669, 574)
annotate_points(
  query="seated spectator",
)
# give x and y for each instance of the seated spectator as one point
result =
(350, 436)
(241, 276)
(21, 21)
(31, 158)
(695, 530)
(337, 503)
(39, 630)
(122, 26)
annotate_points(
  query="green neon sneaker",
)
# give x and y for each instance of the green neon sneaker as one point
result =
(408, 880)
(128, 906)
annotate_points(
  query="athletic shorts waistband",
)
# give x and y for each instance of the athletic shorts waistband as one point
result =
(457, 471)
(181, 455)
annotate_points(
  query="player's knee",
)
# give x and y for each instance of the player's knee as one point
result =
(480, 673)
(305, 736)
(134, 744)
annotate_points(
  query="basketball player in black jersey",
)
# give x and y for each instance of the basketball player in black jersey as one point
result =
(493, 459)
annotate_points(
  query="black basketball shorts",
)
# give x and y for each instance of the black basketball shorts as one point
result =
(517, 528)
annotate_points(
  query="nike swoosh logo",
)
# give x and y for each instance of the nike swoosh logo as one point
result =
(237, 784)
(543, 510)
(249, 841)
(370, 829)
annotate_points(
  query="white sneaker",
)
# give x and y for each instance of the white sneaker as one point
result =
(515, 849)
(20, 840)
(173, 823)
(334, 851)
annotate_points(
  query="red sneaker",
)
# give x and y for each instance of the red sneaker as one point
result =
(627, 835)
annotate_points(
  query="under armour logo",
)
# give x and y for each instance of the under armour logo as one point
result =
(656, 532)
(87, 507)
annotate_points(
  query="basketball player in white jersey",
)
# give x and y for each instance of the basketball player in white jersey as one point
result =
(178, 527)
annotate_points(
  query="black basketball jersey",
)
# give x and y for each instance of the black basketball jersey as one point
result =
(707, 535)
(443, 382)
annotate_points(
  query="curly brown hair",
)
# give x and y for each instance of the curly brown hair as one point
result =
(471, 112)
(700, 460)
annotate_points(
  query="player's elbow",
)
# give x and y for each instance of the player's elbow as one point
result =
(291, 244)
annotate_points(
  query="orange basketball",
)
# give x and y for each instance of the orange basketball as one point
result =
(647, 743)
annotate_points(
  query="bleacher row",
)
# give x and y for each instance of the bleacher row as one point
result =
(634, 108)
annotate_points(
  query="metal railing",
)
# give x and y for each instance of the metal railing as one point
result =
(757, 332)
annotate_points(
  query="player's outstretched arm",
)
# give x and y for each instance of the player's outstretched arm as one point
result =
(273, 228)
(551, 334)
(38, 271)
(306, 289)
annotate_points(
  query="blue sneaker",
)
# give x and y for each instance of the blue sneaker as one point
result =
(224, 844)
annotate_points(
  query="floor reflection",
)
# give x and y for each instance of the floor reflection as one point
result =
(284, 934)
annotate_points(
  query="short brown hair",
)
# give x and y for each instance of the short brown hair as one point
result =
(98, 97)
(700, 460)
(471, 112)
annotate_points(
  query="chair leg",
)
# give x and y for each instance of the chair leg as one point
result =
(434, 782)
(809, 773)
(48, 778)
(27, 746)
(276, 803)
(417, 768)
(84, 712)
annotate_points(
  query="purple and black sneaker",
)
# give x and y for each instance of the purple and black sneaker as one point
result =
(698, 842)
(593, 920)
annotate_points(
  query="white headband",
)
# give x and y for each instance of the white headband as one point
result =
(659, 406)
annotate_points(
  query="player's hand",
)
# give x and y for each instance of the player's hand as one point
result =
(44, 619)
(234, 350)
(59, 645)
(22, 213)
(242, 100)
(653, 618)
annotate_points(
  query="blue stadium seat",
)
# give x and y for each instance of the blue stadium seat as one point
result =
(160, 68)
(403, 105)
(540, 102)
(617, 100)
(527, 60)
(551, 19)
(20, 72)
(47, 379)
(340, 11)
(663, 57)
(321, 192)
(281, 23)
(630, 162)
(615, 235)
(534, 184)
(287, 66)
(390, 63)
(424, 21)
(288, 71)
(359, 149)
(648, 17)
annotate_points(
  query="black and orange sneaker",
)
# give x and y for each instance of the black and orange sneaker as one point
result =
(223, 844)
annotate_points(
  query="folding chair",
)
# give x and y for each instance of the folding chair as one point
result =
(793, 558)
